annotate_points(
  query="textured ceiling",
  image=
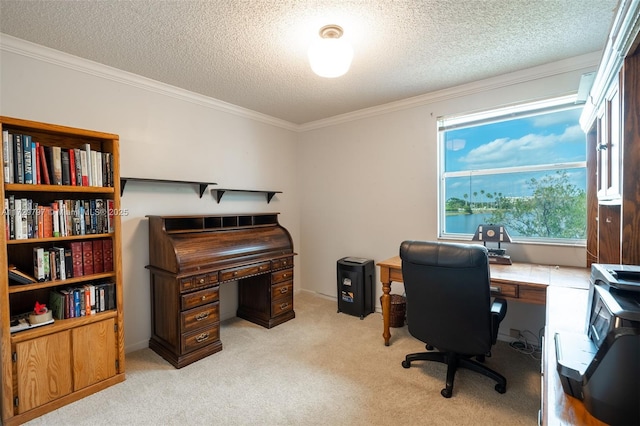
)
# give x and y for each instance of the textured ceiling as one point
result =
(252, 53)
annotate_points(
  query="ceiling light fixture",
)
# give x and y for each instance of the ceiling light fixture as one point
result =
(330, 56)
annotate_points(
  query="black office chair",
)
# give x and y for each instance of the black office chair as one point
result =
(449, 306)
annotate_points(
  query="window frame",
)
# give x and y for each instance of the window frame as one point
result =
(504, 113)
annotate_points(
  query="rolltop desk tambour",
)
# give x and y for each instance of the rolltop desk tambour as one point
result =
(191, 256)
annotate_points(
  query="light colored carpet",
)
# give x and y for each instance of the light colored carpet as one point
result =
(321, 368)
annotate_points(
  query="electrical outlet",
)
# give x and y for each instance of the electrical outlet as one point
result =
(514, 333)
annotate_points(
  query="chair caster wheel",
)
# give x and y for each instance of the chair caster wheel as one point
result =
(429, 347)
(501, 388)
(446, 393)
(406, 364)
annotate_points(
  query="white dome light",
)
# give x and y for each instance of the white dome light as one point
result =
(330, 56)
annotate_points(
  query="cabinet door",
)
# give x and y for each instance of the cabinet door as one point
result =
(43, 370)
(94, 353)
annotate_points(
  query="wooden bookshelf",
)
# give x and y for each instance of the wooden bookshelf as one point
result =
(46, 367)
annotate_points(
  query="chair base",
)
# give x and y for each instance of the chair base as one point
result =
(455, 361)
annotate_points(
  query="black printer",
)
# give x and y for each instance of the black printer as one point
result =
(601, 367)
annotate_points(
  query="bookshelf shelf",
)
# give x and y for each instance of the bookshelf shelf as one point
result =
(201, 185)
(41, 364)
(219, 192)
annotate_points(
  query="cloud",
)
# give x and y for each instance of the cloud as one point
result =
(529, 149)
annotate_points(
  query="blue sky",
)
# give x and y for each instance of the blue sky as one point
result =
(549, 138)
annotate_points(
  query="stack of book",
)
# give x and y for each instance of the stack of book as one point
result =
(27, 161)
(28, 219)
(75, 259)
(88, 299)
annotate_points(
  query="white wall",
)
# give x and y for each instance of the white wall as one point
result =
(164, 133)
(368, 184)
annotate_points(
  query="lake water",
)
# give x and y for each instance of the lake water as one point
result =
(466, 223)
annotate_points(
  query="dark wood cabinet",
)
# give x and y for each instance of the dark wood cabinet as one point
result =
(191, 256)
(611, 120)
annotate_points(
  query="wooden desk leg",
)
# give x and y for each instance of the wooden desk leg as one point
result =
(386, 309)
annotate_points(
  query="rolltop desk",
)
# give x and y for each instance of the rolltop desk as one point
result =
(191, 256)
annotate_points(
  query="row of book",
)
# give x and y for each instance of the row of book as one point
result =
(27, 161)
(61, 218)
(80, 301)
(76, 259)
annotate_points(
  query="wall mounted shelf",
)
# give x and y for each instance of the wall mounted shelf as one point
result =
(202, 185)
(219, 192)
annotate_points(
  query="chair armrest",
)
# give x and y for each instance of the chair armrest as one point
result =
(498, 312)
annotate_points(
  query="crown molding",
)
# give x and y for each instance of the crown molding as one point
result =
(35, 51)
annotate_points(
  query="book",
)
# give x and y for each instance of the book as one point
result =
(78, 166)
(24, 214)
(18, 159)
(57, 304)
(87, 162)
(44, 166)
(87, 257)
(35, 155)
(47, 266)
(12, 217)
(76, 258)
(27, 159)
(60, 263)
(107, 255)
(98, 262)
(38, 264)
(65, 167)
(56, 162)
(72, 167)
(68, 263)
(110, 215)
(6, 152)
(55, 219)
(17, 276)
(84, 167)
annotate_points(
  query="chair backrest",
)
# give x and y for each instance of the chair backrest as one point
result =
(448, 295)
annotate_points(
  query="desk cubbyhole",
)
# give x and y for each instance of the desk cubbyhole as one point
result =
(213, 222)
(229, 221)
(183, 224)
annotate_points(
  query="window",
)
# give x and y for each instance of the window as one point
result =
(523, 167)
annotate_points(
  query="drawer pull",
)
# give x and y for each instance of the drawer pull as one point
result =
(204, 297)
(202, 315)
(284, 262)
(202, 337)
(284, 305)
(495, 289)
(283, 290)
(284, 275)
(235, 273)
(201, 280)
(261, 268)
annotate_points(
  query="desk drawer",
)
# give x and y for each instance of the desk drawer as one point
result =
(244, 271)
(199, 338)
(506, 290)
(281, 305)
(285, 262)
(278, 276)
(281, 290)
(200, 316)
(199, 298)
(533, 294)
(191, 283)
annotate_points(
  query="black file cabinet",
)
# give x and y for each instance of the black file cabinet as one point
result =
(355, 286)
